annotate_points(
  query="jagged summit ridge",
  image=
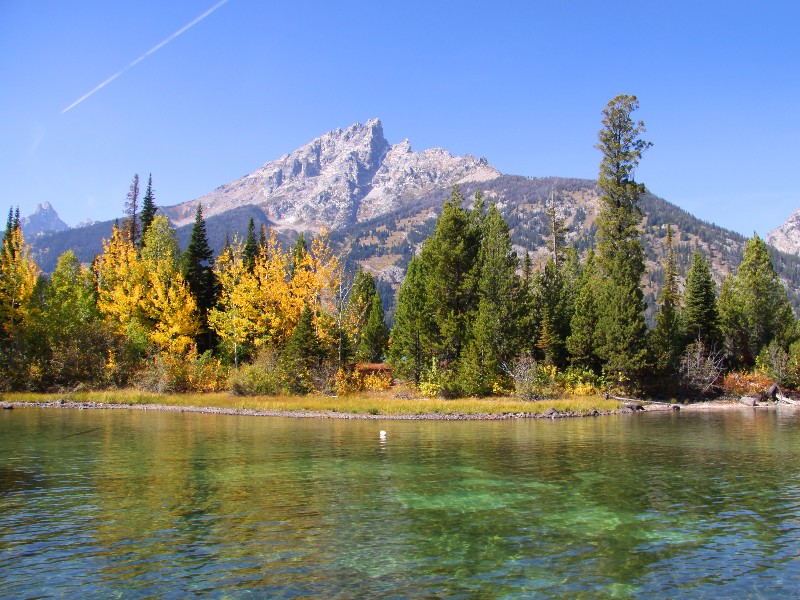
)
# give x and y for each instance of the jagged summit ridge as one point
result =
(341, 177)
(43, 220)
(786, 238)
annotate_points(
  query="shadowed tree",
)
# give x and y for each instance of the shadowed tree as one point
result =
(131, 224)
(148, 207)
(197, 263)
(700, 315)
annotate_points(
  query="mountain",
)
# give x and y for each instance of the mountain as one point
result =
(340, 178)
(380, 202)
(43, 220)
(786, 238)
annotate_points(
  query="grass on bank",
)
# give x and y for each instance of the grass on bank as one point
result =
(371, 403)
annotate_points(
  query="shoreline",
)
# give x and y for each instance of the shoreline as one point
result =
(549, 413)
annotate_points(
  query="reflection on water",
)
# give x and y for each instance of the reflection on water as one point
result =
(147, 504)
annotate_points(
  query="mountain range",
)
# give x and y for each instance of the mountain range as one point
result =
(380, 201)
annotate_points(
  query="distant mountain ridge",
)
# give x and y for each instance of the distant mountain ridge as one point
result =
(338, 179)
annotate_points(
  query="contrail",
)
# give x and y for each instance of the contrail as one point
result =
(146, 54)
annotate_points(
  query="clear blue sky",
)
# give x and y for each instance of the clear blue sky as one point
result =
(521, 83)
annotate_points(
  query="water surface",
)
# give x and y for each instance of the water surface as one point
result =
(141, 504)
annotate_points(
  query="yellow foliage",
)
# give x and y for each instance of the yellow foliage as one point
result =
(272, 295)
(18, 274)
(235, 318)
(120, 276)
(172, 308)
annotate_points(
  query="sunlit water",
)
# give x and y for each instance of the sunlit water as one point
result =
(141, 504)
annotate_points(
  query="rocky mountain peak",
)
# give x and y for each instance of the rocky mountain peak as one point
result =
(43, 219)
(786, 238)
(339, 178)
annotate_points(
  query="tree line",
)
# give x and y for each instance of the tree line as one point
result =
(144, 313)
(472, 317)
(472, 320)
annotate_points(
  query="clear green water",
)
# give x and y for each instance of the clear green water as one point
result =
(140, 504)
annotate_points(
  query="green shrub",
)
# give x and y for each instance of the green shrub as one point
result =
(262, 378)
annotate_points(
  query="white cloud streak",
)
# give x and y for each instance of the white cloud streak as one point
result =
(155, 48)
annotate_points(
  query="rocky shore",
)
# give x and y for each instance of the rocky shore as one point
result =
(549, 413)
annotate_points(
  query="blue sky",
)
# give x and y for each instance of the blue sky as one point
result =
(521, 83)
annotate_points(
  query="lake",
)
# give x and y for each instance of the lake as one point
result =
(145, 504)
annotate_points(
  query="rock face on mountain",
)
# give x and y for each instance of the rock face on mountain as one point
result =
(43, 220)
(340, 178)
(786, 238)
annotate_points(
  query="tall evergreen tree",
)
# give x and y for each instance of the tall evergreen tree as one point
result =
(621, 329)
(408, 352)
(581, 341)
(197, 263)
(131, 224)
(554, 291)
(556, 228)
(450, 256)
(250, 246)
(375, 335)
(667, 337)
(359, 304)
(753, 306)
(148, 206)
(700, 316)
(493, 332)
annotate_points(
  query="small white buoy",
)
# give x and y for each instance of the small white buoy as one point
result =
(383, 434)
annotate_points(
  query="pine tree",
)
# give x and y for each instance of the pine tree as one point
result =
(375, 335)
(553, 290)
(262, 237)
(199, 274)
(250, 246)
(302, 355)
(493, 334)
(131, 225)
(753, 306)
(148, 207)
(556, 228)
(581, 341)
(700, 316)
(621, 329)
(668, 337)
(359, 305)
(450, 258)
(408, 352)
